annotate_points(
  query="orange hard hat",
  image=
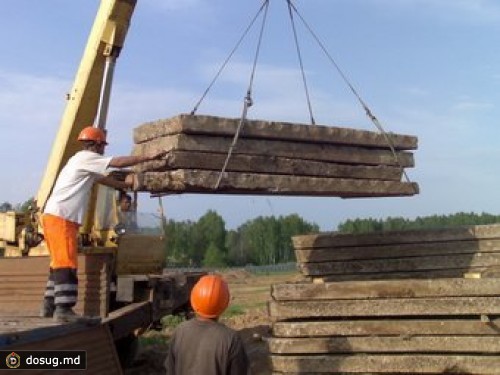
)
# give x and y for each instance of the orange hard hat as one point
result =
(210, 296)
(92, 134)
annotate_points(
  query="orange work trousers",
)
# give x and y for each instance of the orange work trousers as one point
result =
(61, 237)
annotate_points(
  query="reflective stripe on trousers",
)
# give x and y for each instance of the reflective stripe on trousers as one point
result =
(65, 287)
(49, 288)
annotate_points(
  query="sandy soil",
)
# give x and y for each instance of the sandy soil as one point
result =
(250, 294)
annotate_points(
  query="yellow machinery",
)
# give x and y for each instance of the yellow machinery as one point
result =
(136, 293)
(87, 103)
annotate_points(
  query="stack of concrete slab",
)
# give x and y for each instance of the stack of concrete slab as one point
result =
(414, 302)
(272, 158)
(392, 326)
(450, 252)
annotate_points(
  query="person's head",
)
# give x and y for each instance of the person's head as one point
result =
(210, 296)
(93, 139)
(125, 202)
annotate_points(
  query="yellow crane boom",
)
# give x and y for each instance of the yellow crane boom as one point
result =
(94, 76)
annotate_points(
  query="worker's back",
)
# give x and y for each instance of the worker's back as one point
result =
(203, 346)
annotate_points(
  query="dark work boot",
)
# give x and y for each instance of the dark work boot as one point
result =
(65, 314)
(47, 309)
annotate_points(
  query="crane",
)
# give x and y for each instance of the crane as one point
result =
(87, 103)
(132, 263)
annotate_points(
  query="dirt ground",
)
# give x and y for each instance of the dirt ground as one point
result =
(247, 314)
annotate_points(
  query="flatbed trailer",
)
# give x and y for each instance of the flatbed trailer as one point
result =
(122, 307)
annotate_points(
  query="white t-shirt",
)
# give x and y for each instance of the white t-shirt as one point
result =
(71, 192)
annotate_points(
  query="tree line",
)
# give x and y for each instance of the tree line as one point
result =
(260, 241)
(427, 222)
(268, 240)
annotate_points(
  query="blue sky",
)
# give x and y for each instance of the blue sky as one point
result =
(429, 68)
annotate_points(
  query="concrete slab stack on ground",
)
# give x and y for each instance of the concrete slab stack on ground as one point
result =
(409, 302)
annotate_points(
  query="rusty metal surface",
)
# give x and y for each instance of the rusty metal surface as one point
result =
(23, 280)
(18, 323)
(96, 340)
(20, 330)
(123, 321)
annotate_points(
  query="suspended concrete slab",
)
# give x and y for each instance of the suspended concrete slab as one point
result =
(272, 158)
(261, 129)
(199, 181)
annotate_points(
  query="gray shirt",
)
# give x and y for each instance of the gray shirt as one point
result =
(206, 347)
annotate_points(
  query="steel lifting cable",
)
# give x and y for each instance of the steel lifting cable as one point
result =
(299, 55)
(223, 66)
(247, 101)
(367, 110)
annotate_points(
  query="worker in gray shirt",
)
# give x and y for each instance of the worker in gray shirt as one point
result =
(203, 345)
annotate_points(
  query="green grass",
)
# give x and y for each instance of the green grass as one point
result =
(233, 310)
(171, 321)
(152, 340)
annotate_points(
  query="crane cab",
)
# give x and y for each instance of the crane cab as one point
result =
(136, 239)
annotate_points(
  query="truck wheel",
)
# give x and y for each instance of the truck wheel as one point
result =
(127, 348)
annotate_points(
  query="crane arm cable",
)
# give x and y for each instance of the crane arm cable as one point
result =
(367, 110)
(226, 61)
(247, 102)
(299, 55)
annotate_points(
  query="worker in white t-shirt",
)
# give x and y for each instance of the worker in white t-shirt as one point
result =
(64, 211)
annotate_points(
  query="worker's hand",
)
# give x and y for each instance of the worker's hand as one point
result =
(134, 181)
(129, 180)
(157, 155)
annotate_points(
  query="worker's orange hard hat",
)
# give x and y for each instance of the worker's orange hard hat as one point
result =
(92, 134)
(210, 296)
